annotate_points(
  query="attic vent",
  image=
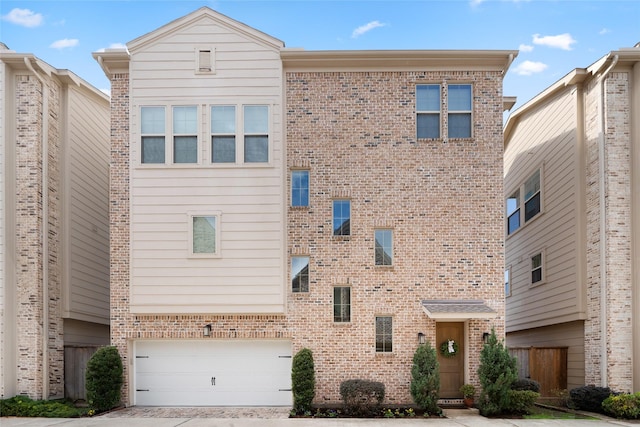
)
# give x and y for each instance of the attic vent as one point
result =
(204, 60)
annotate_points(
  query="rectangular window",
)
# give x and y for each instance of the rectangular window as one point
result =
(536, 268)
(223, 134)
(384, 247)
(507, 282)
(185, 134)
(521, 210)
(428, 111)
(205, 235)
(341, 304)
(341, 218)
(152, 131)
(532, 196)
(300, 274)
(384, 334)
(300, 188)
(256, 134)
(513, 212)
(459, 107)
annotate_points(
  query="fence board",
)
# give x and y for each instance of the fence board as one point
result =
(75, 367)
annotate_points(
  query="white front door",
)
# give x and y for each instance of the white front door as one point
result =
(212, 373)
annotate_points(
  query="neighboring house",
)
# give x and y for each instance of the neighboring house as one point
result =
(572, 226)
(267, 199)
(54, 292)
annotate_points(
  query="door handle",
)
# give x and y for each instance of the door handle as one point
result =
(213, 380)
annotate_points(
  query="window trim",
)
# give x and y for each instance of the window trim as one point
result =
(218, 216)
(334, 306)
(383, 351)
(521, 205)
(375, 248)
(542, 268)
(308, 258)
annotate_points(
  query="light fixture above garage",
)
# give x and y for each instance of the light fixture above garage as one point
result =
(206, 331)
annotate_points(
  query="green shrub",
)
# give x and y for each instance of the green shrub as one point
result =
(526, 384)
(589, 398)
(425, 379)
(362, 398)
(104, 379)
(303, 381)
(623, 406)
(497, 373)
(22, 406)
(522, 401)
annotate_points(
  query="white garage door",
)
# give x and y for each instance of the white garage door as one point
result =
(212, 373)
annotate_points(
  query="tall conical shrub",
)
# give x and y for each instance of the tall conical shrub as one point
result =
(497, 373)
(104, 379)
(425, 379)
(303, 381)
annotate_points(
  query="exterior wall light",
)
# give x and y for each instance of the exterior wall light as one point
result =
(421, 338)
(206, 331)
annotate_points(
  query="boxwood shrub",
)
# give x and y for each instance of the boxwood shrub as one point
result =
(623, 406)
(104, 379)
(303, 381)
(589, 398)
(362, 398)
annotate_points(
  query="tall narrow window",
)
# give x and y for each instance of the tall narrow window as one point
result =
(341, 304)
(205, 235)
(459, 107)
(532, 196)
(384, 334)
(153, 133)
(536, 268)
(205, 60)
(223, 134)
(341, 218)
(384, 247)
(428, 111)
(185, 134)
(256, 134)
(507, 282)
(513, 212)
(300, 188)
(300, 274)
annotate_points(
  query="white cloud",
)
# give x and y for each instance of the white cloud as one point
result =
(117, 46)
(604, 31)
(366, 28)
(64, 43)
(474, 3)
(24, 17)
(525, 48)
(561, 41)
(528, 68)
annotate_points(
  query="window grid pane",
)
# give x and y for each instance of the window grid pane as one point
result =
(185, 120)
(384, 334)
(341, 218)
(459, 125)
(428, 98)
(384, 247)
(223, 119)
(300, 274)
(152, 149)
(300, 188)
(185, 149)
(428, 125)
(204, 234)
(152, 120)
(256, 149)
(536, 268)
(256, 119)
(342, 304)
(459, 98)
(223, 149)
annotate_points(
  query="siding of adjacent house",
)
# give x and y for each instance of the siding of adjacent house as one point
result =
(545, 138)
(87, 208)
(249, 275)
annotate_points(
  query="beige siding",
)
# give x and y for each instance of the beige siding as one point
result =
(545, 138)
(570, 335)
(87, 205)
(249, 276)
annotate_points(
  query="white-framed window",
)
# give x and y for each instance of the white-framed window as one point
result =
(204, 235)
(342, 304)
(250, 145)
(152, 131)
(300, 187)
(300, 274)
(525, 202)
(185, 134)
(223, 134)
(256, 134)
(507, 281)
(428, 110)
(383, 251)
(384, 334)
(341, 217)
(537, 268)
(459, 110)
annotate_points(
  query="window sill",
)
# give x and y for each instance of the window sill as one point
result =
(385, 354)
(341, 238)
(538, 215)
(143, 166)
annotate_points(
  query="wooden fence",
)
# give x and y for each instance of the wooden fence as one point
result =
(75, 367)
(546, 365)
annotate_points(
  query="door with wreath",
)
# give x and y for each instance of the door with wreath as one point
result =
(450, 347)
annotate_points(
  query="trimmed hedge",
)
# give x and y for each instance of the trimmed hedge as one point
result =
(104, 379)
(524, 384)
(22, 406)
(362, 398)
(522, 401)
(590, 398)
(623, 406)
(303, 381)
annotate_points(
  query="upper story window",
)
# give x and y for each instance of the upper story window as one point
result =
(251, 145)
(341, 218)
(205, 235)
(300, 188)
(300, 274)
(223, 134)
(507, 282)
(152, 123)
(428, 110)
(384, 247)
(459, 108)
(341, 304)
(256, 134)
(524, 203)
(185, 134)
(537, 268)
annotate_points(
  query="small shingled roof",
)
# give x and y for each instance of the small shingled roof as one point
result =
(458, 309)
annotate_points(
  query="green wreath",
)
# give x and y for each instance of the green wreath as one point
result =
(444, 348)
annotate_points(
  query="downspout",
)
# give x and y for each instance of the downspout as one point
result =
(604, 359)
(45, 229)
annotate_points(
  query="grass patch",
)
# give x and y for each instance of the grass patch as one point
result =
(540, 413)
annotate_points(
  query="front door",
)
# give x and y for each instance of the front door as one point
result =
(451, 366)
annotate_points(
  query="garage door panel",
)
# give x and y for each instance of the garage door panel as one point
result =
(213, 373)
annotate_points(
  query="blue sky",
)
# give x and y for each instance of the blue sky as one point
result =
(553, 36)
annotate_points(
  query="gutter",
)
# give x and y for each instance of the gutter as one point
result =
(45, 229)
(604, 359)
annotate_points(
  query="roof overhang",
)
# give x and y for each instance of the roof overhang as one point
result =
(458, 309)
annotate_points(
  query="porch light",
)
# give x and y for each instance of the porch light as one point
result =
(421, 338)
(206, 331)
(485, 337)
